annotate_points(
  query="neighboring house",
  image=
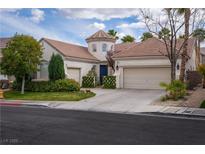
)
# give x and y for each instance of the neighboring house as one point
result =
(138, 65)
(143, 66)
(3, 43)
(202, 56)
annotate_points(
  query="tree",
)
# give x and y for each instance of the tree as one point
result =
(113, 33)
(56, 68)
(187, 13)
(201, 69)
(21, 57)
(128, 38)
(110, 60)
(146, 35)
(199, 34)
(166, 31)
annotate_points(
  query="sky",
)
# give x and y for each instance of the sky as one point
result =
(71, 25)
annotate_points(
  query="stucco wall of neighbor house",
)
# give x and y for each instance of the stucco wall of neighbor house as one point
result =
(99, 54)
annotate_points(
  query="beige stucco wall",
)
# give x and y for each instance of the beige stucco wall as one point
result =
(99, 54)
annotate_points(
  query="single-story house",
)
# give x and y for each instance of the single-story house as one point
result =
(139, 65)
(202, 56)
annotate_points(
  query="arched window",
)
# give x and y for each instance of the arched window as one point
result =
(104, 47)
(94, 47)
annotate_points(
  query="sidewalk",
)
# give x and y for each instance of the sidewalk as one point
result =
(76, 106)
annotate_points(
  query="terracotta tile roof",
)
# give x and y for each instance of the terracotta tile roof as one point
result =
(203, 51)
(100, 35)
(71, 50)
(150, 47)
(124, 46)
(3, 42)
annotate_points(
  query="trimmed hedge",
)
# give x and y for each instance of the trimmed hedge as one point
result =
(88, 82)
(64, 85)
(109, 82)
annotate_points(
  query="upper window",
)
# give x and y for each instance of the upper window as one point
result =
(104, 47)
(94, 47)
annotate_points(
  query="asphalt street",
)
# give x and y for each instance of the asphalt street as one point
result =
(32, 125)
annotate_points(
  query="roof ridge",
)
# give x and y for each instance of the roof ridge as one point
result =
(44, 38)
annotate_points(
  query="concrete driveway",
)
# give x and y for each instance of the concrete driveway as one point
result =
(117, 100)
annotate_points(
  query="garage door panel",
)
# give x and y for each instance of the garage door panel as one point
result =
(74, 73)
(145, 78)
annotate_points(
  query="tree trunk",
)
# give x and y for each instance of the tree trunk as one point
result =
(186, 37)
(203, 82)
(173, 71)
(23, 85)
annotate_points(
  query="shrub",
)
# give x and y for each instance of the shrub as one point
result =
(88, 82)
(65, 85)
(109, 82)
(176, 89)
(202, 104)
(201, 69)
(56, 68)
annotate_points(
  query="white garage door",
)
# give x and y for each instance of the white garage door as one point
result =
(74, 73)
(145, 78)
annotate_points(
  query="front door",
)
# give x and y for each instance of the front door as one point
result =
(103, 72)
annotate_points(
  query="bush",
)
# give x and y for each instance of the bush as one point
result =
(65, 85)
(56, 68)
(88, 82)
(109, 82)
(176, 89)
(202, 104)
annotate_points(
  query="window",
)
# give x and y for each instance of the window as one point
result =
(104, 47)
(94, 48)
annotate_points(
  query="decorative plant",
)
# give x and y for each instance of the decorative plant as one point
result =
(175, 90)
(56, 68)
(201, 69)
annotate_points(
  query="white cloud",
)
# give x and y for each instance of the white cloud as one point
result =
(101, 14)
(23, 25)
(137, 25)
(37, 15)
(2, 10)
(97, 25)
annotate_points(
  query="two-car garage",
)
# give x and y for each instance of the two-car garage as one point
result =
(145, 77)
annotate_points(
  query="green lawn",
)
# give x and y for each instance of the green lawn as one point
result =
(48, 96)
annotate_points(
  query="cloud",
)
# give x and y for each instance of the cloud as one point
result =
(2, 10)
(37, 15)
(97, 25)
(22, 25)
(137, 25)
(100, 14)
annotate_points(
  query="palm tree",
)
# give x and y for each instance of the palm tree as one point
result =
(200, 36)
(128, 38)
(187, 13)
(113, 33)
(201, 69)
(146, 35)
